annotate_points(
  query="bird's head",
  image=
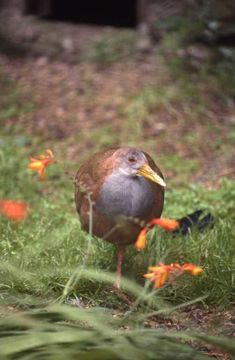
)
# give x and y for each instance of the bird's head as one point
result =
(132, 162)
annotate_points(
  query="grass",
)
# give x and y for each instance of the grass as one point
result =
(111, 47)
(94, 334)
(50, 245)
(11, 104)
(45, 262)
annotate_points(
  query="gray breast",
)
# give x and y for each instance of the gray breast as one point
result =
(124, 195)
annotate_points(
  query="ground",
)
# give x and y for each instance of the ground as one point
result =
(84, 97)
(95, 98)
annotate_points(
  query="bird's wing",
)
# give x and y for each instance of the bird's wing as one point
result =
(89, 178)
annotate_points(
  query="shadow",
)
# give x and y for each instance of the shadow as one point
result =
(122, 13)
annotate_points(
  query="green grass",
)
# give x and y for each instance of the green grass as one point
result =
(111, 47)
(213, 249)
(59, 331)
(48, 259)
(50, 245)
(13, 101)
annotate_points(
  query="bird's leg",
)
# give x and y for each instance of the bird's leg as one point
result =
(120, 253)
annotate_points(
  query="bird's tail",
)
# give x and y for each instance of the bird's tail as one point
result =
(198, 220)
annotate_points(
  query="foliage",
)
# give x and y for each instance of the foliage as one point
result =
(57, 332)
(196, 45)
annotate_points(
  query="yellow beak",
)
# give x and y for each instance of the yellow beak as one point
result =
(148, 173)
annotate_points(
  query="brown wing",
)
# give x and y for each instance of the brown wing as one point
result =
(88, 181)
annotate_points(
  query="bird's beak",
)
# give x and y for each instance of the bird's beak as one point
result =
(148, 173)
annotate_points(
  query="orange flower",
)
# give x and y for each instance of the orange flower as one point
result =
(192, 269)
(158, 274)
(141, 241)
(14, 210)
(167, 224)
(161, 273)
(41, 163)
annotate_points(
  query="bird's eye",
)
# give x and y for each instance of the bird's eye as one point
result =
(131, 159)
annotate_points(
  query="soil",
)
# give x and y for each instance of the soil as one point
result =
(77, 100)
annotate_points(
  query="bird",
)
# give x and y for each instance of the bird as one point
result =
(118, 189)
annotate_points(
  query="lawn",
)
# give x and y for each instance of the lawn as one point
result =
(48, 263)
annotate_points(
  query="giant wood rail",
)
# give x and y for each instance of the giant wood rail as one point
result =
(123, 186)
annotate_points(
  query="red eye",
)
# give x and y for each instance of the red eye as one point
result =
(131, 159)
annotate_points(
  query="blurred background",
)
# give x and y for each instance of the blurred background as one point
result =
(83, 75)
